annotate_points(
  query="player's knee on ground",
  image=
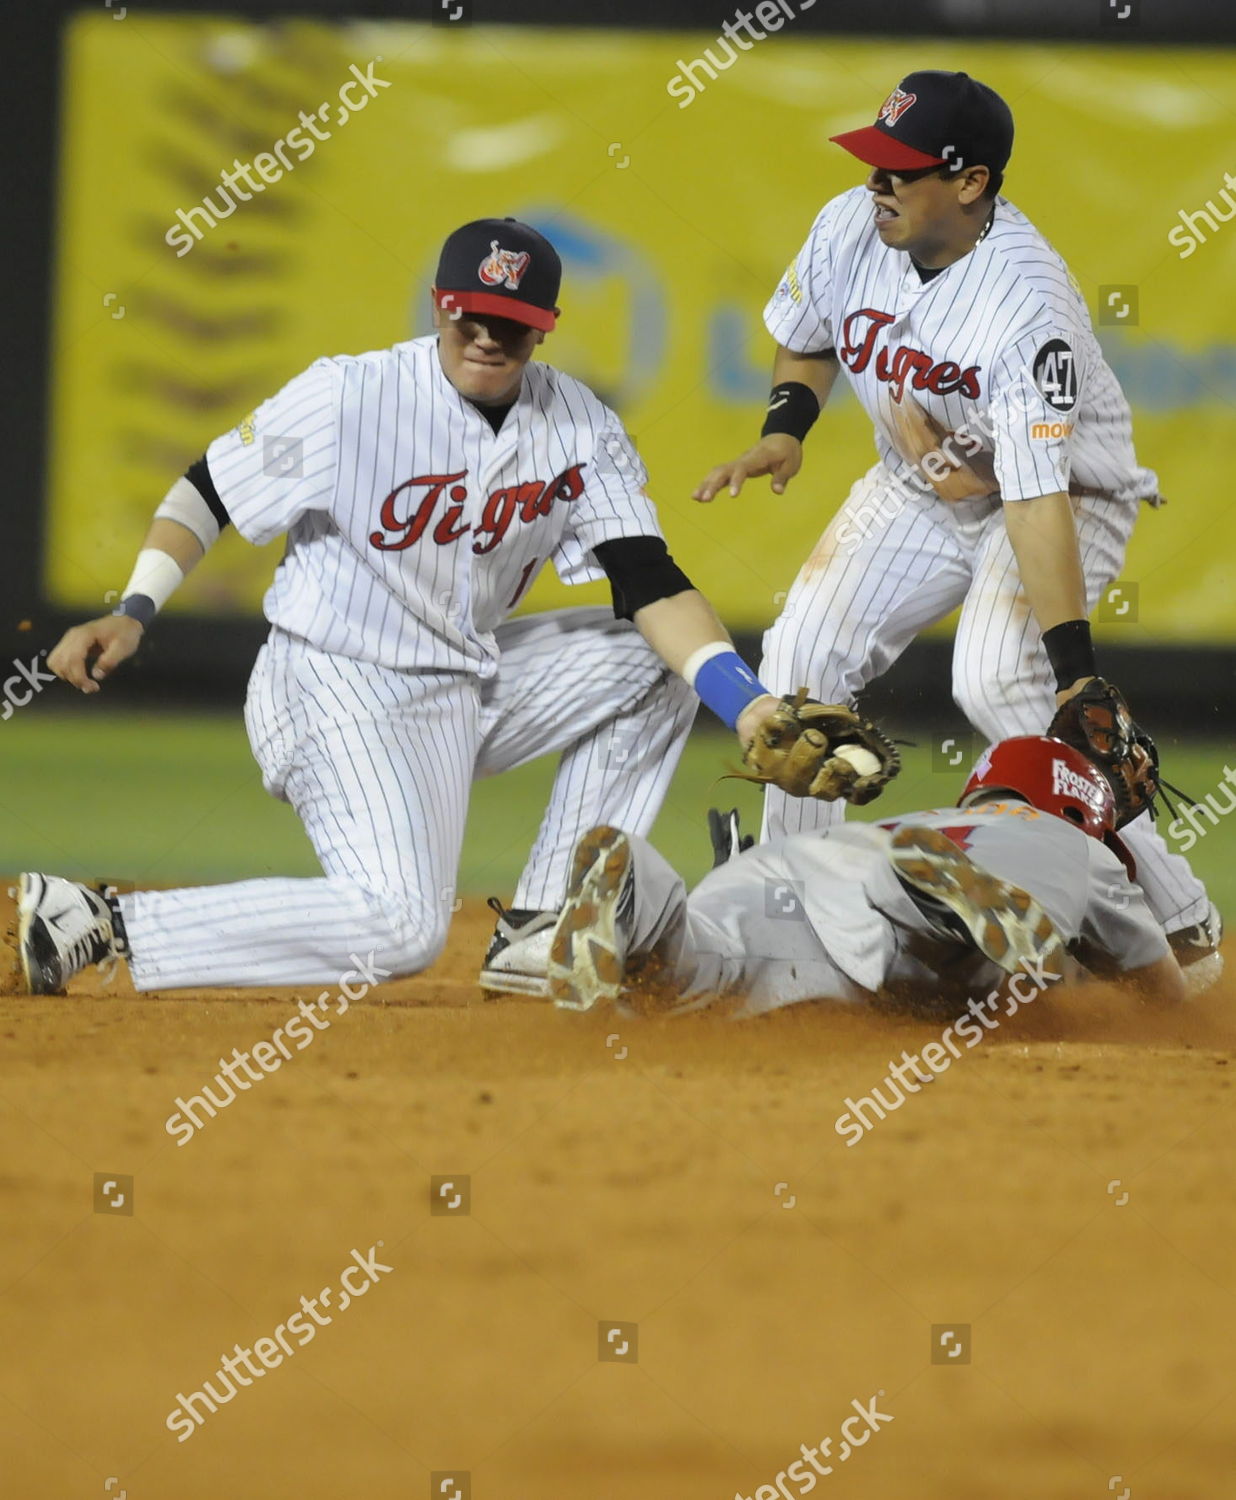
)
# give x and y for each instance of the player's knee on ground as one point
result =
(417, 927)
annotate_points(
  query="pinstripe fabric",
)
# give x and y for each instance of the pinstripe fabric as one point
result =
(348, 453)
(392, 675)
(868, 588)
(895, 560)
(1003, 682)
(993, 310)
(628, 715)
(861, 598)
(378, 764)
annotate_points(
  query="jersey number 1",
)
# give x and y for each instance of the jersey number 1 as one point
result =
(524, 579)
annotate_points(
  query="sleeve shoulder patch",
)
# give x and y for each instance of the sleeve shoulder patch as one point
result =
(1055, 374)
(789, 288)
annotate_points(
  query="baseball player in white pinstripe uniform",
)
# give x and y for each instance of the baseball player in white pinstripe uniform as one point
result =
(1006, 480)
(421, 489)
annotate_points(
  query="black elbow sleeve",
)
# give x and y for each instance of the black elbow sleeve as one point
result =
(198, 475)
(640, 571)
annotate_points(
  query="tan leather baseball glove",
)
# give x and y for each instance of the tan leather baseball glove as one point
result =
(796, 748)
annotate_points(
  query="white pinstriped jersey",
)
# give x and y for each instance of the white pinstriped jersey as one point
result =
(998, 347)
(412, 528)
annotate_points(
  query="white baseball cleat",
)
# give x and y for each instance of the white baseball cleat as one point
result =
(1004, 922)
(518, 955)
(1197, 952)
(587, 956)
(62, 928)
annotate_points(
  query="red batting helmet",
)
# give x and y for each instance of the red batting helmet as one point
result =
(1056, 779)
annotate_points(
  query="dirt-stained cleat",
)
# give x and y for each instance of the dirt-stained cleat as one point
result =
(1003, 921)
(62, 928)
(1197, 952)
(518, 953)
(587, 955)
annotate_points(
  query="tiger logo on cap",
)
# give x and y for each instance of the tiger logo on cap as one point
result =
(504, 266)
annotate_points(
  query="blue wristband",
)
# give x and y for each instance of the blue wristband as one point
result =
(727, 684)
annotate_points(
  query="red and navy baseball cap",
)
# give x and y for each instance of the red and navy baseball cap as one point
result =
(501, 267)
(936, 119)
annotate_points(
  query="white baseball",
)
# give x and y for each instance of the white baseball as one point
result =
(858, 756)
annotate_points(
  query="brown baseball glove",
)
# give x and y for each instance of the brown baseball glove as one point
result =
(796, 747)
(1096, 720)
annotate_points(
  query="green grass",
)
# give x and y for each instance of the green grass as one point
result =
(165, 800)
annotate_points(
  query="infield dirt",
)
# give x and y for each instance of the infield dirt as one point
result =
(1058, 1206)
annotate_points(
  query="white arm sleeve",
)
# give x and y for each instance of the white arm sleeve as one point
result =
(184, 504)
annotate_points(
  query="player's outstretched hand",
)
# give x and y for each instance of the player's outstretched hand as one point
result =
(114, 637)
(778, 455)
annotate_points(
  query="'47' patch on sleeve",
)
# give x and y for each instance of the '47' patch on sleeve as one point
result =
(1055, 375)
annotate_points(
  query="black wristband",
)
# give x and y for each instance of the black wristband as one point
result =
(139, 607)
(1070, 651)
(793, 408)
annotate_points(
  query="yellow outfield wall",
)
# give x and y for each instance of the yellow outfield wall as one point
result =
(676, 208)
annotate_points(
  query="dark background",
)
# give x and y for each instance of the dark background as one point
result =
(208, 659)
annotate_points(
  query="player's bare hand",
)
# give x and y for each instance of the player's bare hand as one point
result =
(779, 455)
(110, 639)
(753, 716)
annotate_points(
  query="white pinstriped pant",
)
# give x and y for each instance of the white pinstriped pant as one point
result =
(378, 764)
(886, 567)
